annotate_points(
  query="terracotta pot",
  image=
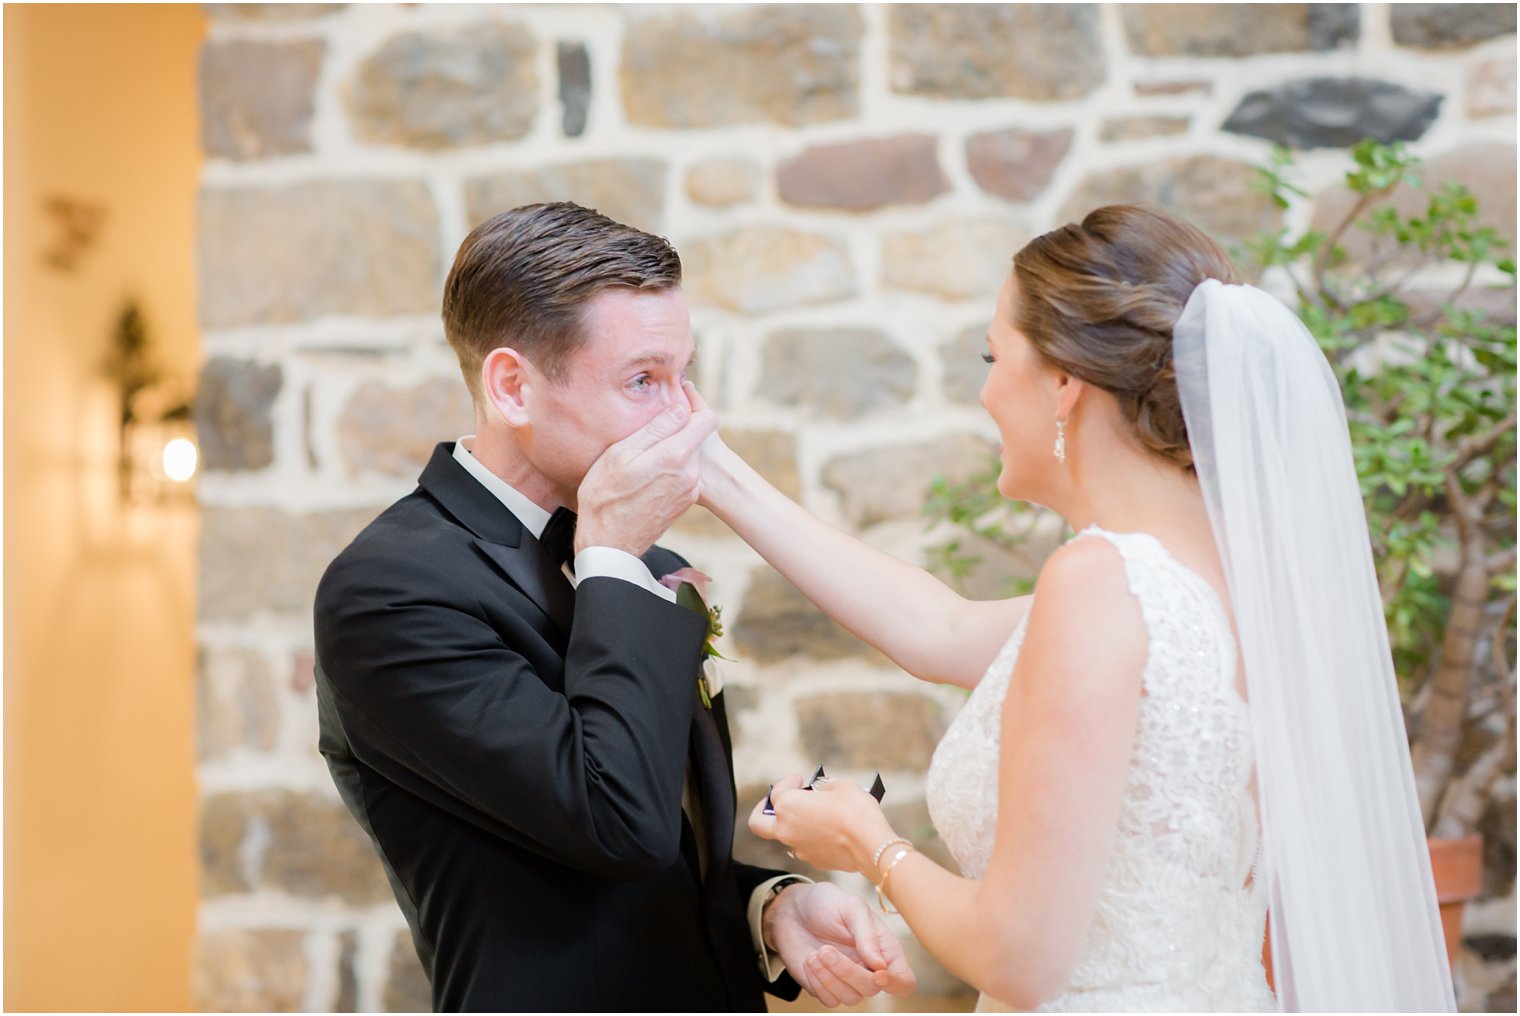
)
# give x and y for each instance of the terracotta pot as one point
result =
(1458, 868)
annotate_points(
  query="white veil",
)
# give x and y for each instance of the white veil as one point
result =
(1354, 919)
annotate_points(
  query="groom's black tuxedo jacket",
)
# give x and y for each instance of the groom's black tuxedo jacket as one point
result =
(516, 748)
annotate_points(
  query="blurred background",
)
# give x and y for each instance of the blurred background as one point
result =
(226, 228)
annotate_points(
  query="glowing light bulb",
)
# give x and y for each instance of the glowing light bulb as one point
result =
(180, 459)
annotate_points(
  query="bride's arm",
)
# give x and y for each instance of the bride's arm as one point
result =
(920, 623)
(1068, 728)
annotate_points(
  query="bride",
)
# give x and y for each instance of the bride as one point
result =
(1193, 721)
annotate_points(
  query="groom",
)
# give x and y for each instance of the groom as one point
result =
(509, 698)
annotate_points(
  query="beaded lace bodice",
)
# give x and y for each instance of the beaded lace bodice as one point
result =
(1180, 917)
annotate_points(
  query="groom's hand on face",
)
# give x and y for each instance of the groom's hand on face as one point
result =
(643, 483)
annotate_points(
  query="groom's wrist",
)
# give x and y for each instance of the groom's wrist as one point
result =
(768, 909)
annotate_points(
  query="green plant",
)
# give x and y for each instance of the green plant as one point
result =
(1429, 384)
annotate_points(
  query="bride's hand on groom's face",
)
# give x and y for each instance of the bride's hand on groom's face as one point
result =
(712, 454)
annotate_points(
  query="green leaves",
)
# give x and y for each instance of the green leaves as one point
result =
(1421, 369)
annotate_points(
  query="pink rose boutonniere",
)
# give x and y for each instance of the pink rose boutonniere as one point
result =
(690, 587)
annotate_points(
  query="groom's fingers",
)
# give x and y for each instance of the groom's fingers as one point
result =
(898, 979)
(845, 979)
(866, 931)
(698, 404)
(664, 425)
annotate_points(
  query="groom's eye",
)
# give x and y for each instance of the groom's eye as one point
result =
(641, 382)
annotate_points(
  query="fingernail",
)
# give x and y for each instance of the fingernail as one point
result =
(676, 410)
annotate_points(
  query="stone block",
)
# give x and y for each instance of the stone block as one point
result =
(1001, 572)
(574, 66)
(268, 561)
(269, 12)
(406, 985)
(232, 413)
(957, 260)
(841, 373)
(278, 255)
(893, 482)
(1487, 168)
(235, 702)
(630, 191)
(776, 623)
(964, 369)
(393, 431)
(447, 87)
(757, 269)
(789, 63)
(348, 974)
(991, 51)
(1195, 86)
(1334, 112)
(910, 817)
(303, 675)
(1235, 30)
(257, 97)
(300, 843)
(890, 731)
(858, 176)
(772, 453)
(724, 181)
(249, 970)
(1016, 164)
(1212, 192)
(1449, 26)
(1491, 86)
(1133, 128)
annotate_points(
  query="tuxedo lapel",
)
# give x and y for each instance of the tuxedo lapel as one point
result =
(715, 785)
(500, 536)
(540, 579)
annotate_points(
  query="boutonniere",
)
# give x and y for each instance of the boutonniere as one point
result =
(690, 587)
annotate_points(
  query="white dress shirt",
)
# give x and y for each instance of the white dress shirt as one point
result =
(609, 562)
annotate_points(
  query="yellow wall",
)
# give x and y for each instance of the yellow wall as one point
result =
(100, 862)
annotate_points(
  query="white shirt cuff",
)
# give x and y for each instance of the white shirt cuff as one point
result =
(770, 960)
(609, 562)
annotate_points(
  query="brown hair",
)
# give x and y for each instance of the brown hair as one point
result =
(1099, 300)
(521, 279)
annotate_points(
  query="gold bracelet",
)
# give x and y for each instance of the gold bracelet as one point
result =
(876, 857)
(881, 887)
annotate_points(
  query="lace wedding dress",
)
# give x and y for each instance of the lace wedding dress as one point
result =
(1180, 919)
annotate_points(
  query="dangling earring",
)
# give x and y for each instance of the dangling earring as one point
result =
(1060, 440)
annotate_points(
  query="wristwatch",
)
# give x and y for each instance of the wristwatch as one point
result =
(781, 884)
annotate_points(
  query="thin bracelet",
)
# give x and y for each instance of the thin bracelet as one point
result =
(876, 857)
(881, 897)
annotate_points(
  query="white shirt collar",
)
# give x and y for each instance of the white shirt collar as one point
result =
(533, 518)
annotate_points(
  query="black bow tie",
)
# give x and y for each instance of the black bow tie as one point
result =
(558, 537)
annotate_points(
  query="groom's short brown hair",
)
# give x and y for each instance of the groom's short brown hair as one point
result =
(521, 278)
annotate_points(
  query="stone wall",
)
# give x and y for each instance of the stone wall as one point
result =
(845, 185)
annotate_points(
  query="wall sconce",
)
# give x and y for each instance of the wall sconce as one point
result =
(158, 456)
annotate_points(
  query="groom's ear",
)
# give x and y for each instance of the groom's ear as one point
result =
(505, 376)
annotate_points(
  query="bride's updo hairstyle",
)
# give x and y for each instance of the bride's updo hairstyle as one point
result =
(1099, 299)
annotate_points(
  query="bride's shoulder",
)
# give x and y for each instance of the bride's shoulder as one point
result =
(1087, 558)
(1084, 586)
(1086, 641)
